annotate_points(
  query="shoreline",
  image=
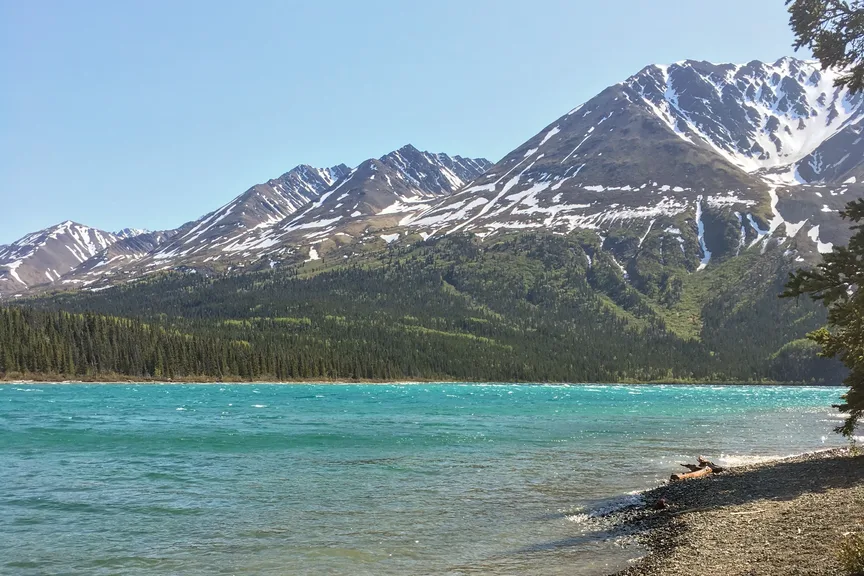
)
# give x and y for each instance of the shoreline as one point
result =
(784, 516)
(153, 381)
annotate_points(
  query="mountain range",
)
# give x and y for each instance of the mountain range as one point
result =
(684, 165)
(258, 226)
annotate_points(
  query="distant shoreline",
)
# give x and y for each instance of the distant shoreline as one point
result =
(772, 518)
(205, 381)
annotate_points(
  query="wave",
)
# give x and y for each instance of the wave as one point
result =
(609, 506)
(734, 460)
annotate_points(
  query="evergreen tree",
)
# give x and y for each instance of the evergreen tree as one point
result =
(834, 32)
(835, 282)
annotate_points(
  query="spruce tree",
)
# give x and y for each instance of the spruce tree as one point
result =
(835, 282)
(834, 31)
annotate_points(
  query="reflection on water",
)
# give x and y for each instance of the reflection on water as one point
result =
(359, 479)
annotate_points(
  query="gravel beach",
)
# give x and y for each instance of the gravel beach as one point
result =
(785, 517)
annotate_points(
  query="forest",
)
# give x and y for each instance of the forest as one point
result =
(526, 307)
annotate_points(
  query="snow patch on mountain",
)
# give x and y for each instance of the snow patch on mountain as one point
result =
(130, 232)
(822, 247)
(706, 254)
(758, 116)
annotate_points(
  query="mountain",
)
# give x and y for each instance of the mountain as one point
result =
(264, 224)
(679, 167)
(644, 235)
(130, 233)
(378, 194)
(121, 255)
(110, 263)
(287, 217)
(233, 228)
(45, 256)
(714, 157)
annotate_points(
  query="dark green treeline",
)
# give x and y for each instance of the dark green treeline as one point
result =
(527, 308)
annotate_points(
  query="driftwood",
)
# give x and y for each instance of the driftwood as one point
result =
(703, 462)
(701, 470)
(700, 473)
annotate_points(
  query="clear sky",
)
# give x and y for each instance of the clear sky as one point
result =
(150, 113)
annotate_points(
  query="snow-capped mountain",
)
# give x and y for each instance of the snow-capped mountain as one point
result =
(271, 221)
(674, 143)
(73, 255)
(45, 256)
(230, 228)
(256, 225)
(114, 261)
(380, 193)
(779, 118)
(701, 160)
(130, 232)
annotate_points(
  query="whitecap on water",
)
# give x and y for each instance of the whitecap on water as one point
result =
(607, 507)
(732, 460)
(259, 405)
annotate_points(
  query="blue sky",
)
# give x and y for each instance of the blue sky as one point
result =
(151, 113)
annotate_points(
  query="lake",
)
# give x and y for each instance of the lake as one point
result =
(360, 479)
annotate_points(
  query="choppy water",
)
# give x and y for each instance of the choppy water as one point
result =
(358, 479)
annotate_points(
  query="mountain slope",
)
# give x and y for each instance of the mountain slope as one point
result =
(263, 225)
(111, 262)
(45, 256)
(233, 227)
(695, 153)
(379, 194)
(525, 307)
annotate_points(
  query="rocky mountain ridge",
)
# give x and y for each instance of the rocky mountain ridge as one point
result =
(674, 145)
(679, 166)
(255, 228)
(43, 257)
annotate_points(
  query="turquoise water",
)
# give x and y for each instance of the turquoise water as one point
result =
(358, 479)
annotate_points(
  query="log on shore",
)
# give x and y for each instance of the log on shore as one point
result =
(700, 473)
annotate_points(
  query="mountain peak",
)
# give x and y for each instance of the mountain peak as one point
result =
(46, 255)
(757, 116)
(131, 232)
(409, 148)
(407, 151)
(306, 173)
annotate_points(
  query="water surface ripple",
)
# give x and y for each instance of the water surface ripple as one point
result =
(358, 479)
